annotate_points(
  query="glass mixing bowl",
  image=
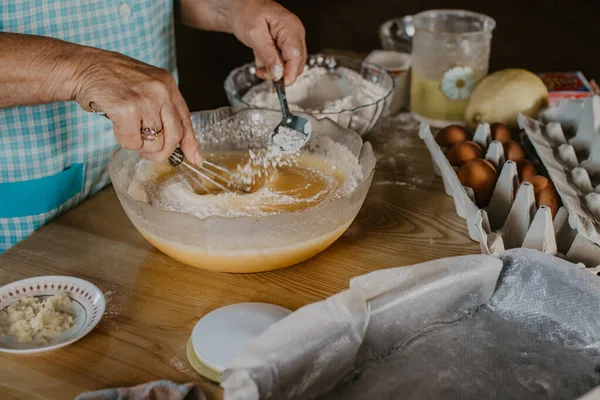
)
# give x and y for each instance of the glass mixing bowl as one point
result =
(246, 244)
(360, 119)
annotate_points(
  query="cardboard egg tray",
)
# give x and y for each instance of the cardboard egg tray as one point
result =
(567, 141)
(511, 219)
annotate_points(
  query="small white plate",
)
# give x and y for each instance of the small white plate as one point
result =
(88, 306)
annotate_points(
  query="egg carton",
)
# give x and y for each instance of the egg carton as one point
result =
(567, 141)
(511, 219)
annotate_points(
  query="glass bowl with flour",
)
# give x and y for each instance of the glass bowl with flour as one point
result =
(349, 91)
(286, 209)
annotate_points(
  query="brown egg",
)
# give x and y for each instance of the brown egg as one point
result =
(451, 135)
(461, 152)
(525, 170)
(545, 194)
(500, 132)
(513, 151)
(480, 175)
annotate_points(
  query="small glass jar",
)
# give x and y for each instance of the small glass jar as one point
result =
(451, 52)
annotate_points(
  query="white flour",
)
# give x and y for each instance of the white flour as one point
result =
(260, 162)
(288, 139)
(319, 90)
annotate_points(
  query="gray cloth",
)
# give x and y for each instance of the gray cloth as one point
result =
(525, 326)
(157, 390)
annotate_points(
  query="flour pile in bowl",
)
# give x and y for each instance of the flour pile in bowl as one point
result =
(267, 182)
(320, 90)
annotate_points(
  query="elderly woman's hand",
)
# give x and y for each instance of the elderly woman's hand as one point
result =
(276, 36)
(134, 96)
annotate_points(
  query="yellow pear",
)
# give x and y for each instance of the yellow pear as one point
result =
(501, 96)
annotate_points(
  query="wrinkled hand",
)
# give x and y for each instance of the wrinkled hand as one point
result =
(135, 95)
(276, 36)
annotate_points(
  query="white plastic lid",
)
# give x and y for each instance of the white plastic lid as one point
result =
(222, 334)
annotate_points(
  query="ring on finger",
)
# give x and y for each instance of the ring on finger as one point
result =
(150, 134)
(94, 109)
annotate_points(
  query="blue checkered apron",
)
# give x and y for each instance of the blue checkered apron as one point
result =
(53, 156)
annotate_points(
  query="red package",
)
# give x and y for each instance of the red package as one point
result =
(566, 85)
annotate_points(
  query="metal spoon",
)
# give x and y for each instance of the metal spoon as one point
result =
(292, 132)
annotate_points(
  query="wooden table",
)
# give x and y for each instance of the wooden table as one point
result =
(153, 301)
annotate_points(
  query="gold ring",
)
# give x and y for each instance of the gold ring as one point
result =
(92, 106)
(150, 135)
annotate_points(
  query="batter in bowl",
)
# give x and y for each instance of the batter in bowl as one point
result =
(266, 183)
(269, 186)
